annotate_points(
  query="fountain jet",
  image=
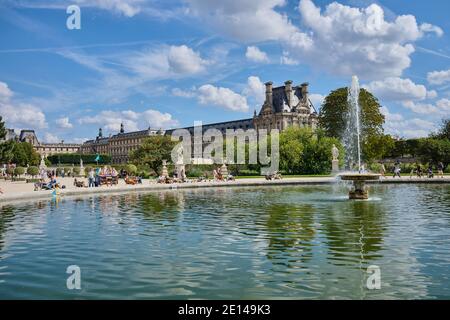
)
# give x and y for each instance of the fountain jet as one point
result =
(352, 145)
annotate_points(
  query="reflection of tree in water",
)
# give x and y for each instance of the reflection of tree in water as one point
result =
(161, 206)
(290, 230)
(6, 216)
(354, 232)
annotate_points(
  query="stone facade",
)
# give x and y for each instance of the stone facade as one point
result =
(118, 146)
(45, 149)
(284, 106)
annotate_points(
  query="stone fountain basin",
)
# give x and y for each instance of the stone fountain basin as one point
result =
(359, 176)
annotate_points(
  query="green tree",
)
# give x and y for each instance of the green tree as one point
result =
(444, 131)
(332, 119)
(2, 129)
(153, 151)
(434, 150)
(24, 154)
(305, 151)
(33, 171)
(18, 171)
(131, 168)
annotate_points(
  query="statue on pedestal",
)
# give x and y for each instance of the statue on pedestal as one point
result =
(81, 168)
(335, 160)
(42, 165)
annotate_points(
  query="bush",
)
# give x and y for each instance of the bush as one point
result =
(18, 171)
(75, 158)
(76, 170)
(10, 171)
(33, 171)
(131, 168)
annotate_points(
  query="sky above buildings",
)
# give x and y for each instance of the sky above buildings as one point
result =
(167, 63)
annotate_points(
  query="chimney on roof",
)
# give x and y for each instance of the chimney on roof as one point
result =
(305, 91)
(121, 128)
(269, 92)
(288, 91)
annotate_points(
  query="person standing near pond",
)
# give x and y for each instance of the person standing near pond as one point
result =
(397, 169)
(440, 169)
(91, 177)
(382, 169)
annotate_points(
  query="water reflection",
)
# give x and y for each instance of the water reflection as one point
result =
(274, 242)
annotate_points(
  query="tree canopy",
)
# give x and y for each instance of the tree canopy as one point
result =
(153, 151)
(332, 119)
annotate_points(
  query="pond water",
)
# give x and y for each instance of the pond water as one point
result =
(230, 243)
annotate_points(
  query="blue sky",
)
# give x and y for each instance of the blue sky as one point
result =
(168, 63)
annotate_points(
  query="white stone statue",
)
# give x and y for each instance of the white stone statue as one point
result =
(335, 152)
(42, 164)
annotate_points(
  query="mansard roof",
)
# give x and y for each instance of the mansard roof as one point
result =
(280, 101)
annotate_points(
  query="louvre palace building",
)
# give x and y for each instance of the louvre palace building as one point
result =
(284, 106)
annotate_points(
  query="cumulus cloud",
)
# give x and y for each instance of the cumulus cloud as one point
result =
(166, 62)
(340, 39)
(255, 89)
(351, 40)
(64, 123)
(50, 138)
(255, 54)
(398, 89)
(426, 27)
(397, 125)
(288, 60)
(441, 108)
(248, 21)
(18, 114)
(438, 77)
(132, 121)
(222, 97)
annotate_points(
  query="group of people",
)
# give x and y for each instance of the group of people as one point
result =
(417, 170)
(95, 176)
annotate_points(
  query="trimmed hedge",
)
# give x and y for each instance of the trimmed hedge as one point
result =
(33, 171)
(75, 158)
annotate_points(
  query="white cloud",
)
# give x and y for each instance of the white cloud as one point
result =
(350, 40)
(316, 100)
(441, 108)
(426, 27)
(255, 89)
(128, 8)
(340, 39)
(255, 54)
(132, 121)
(222, 97)
(398, 89)
(288, 60)
(183, 93)
(5, 92)
(50, 138)
(17, 114)
(166, 62)
(248, 21)
(397, 125)
(64, 123)
(438, 77)
(431, 94)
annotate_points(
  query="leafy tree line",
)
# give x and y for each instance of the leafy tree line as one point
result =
(75, 158)
(433, 149)
(302, 151)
